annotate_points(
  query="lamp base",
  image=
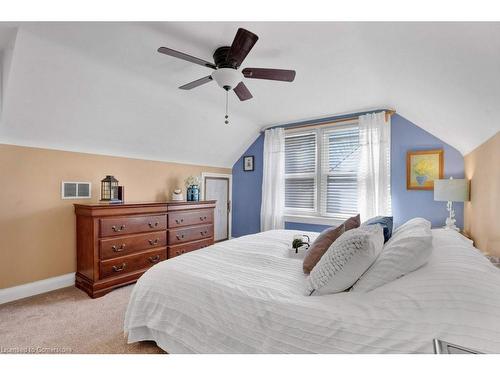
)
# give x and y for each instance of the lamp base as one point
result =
(450, 220)
(451, 227)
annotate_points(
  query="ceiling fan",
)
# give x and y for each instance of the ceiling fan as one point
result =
(227, 60)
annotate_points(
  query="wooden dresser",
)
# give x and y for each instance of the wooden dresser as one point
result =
(117, 243)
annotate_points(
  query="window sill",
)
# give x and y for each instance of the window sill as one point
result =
(321, 220)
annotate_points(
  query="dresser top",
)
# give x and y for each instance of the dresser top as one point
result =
(141, 204)
(110, 209)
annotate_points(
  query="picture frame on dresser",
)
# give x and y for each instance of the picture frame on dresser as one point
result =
(116, 244)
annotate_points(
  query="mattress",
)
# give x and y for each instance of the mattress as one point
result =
(247, 295)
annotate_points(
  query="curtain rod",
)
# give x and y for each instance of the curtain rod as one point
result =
(333, 120)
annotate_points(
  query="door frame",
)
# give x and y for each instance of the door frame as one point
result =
(230, 197)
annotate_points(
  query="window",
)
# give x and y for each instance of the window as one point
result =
(321, 171)
(300, 171)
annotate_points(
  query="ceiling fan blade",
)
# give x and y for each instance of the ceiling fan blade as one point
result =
(242, 92)
(272, 74)
(242, 44)
(186, 57)
(198, 82)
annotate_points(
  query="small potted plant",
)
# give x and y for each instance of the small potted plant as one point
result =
(299, 241)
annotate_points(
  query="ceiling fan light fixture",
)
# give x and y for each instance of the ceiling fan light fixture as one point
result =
(227, 78)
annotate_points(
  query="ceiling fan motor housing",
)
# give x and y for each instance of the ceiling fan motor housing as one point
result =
(220, 57)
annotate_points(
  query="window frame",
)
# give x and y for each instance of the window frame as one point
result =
(318, 215)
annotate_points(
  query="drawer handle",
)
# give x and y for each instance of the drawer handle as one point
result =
(154, 259)
(179, 237)
(177, 221)
(152, 243)
(115, 229)
(179, 252)
(119, 268)
(118, 249)
(204, 233)
(151, 225)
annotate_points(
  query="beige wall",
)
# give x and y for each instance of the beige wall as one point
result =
(482, 167)
(37, 227)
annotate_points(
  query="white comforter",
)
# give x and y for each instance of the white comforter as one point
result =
(247, 296)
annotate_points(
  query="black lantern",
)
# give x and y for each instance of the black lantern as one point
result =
(109, 189)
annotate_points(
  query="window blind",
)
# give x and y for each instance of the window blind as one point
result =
(300, 171)
(339, 163)
(321, 168)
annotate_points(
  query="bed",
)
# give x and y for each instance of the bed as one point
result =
(247, 295)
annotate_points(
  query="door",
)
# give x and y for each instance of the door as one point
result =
(217, 188)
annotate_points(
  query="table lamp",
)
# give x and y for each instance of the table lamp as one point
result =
(451, 190)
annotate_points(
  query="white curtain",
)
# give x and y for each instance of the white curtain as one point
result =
(273, 180)
(374, 173)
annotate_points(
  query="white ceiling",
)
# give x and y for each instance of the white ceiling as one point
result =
(103, 88)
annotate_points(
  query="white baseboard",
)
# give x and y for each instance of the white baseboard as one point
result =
(37, 287)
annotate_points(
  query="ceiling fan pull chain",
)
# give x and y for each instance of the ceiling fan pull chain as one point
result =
(227, 121)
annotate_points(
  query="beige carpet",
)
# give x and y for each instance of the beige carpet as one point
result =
(68, 321)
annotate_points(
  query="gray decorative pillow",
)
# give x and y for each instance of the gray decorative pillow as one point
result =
(346, 260)
(325, 240)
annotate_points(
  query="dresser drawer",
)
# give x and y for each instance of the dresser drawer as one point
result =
(181, 235)
(174, 251)
(118, 226)
(130, 263)
(187, 218)
(124, 245)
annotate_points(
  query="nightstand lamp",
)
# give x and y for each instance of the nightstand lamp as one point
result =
(451, 190)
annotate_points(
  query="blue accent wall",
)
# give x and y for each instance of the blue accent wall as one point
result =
(247, 192)
(405, 136)
(406, 204)
(305, 227)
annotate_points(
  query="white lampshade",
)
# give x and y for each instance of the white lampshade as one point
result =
(451, 190)
(227, 77)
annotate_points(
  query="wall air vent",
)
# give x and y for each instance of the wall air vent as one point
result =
(75, 190)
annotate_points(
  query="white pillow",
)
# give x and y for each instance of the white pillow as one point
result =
(408, 249)
(345, 260)
(416, 221)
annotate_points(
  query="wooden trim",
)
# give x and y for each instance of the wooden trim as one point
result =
(99, 288)
(409, 154)
(191, 205)
(178, 203)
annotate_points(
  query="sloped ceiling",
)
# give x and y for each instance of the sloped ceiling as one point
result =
(103, 88)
